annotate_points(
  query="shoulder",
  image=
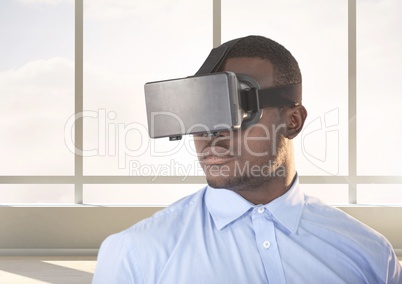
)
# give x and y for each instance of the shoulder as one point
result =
(355, 239)
(176, 212)
(124, 256)
(339, 221)
(164, 224)
(115, 262)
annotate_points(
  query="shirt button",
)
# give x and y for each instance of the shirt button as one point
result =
(266, 244)
(261, 210)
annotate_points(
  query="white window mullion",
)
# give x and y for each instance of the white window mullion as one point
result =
(78, 164)
(352, 155)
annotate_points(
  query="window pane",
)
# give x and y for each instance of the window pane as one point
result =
(126, 45)
(315, 32)
(329, 193)
(137, 194)
(379, 194)
(36, 193)
(379, 100)
(36, 86)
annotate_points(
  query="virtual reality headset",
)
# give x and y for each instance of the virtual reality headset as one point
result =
(210, 102)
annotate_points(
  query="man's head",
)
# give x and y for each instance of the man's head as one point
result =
(251, 159)
(286, 70)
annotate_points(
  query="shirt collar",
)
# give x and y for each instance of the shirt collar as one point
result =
(287, 209)
(225, 206)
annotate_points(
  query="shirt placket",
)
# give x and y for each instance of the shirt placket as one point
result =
(265, 237)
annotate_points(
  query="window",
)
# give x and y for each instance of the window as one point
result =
(36, 86)
(126, 44)
(379, 88)
(348, 56)
(37, 97)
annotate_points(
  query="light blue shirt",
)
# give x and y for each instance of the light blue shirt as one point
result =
(216, 236)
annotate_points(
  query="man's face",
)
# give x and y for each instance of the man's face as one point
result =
(246, 158)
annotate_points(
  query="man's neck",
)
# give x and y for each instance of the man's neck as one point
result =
(266, 192)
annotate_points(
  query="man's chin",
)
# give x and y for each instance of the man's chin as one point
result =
(215, 182)
(222, 182)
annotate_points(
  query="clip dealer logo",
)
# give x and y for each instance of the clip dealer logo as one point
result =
(130, 144)
(320, 142)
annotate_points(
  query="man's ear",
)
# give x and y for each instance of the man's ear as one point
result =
(294, 118)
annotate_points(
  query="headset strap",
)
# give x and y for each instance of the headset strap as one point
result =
(255, 99)
(216, 57)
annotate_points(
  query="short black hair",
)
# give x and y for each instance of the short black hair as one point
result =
(286, 68)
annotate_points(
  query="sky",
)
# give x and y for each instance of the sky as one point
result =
(128, 43)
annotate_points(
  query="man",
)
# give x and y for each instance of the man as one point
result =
(252, 224)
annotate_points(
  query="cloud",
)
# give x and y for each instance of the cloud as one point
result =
(36, 100)
(39, 77)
